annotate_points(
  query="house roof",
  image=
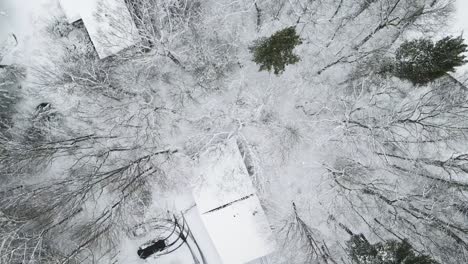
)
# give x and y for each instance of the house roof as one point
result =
(109, 25)
(229, 206)
(240, 232)
(71, 9)
(108, 22)
(223, 177)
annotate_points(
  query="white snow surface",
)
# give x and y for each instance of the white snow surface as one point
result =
(223, 177)
(240, 231)
(181, 202)
(199, 231)
(71, 8)
(109, 25)
(230, 208)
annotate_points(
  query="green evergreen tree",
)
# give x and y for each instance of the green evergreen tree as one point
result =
(276, 51)
(390, 252)
(421, 61)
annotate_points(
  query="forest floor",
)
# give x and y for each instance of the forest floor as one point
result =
(332, 147)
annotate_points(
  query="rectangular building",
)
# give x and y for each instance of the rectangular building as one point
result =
(109, 24)
(229, 207)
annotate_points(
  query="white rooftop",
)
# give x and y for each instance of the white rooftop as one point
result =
(223, 177)
(240, 232)
(71, 9)
(109, 25)
(229, 207)
(108, 22)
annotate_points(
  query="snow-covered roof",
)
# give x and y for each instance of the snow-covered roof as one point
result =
(71, 9)
(240, 231)
(109, 25)
(229, 207)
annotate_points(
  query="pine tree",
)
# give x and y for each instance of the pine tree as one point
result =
(421, 61)
(390, 252)
(276, 51)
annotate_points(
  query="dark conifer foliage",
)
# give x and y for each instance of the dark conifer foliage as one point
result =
(275, 52)
(390, 252)
(421, 61)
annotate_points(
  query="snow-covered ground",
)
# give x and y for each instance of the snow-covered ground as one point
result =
(460, 26)
(71, 9)
(298, 127)
(460, 23)
(26, 20)
(225, 229)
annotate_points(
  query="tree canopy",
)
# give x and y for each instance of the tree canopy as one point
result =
(275, 52)
(422, 61)
(389, 252)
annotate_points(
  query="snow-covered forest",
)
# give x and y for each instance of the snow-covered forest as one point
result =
(355, 142)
